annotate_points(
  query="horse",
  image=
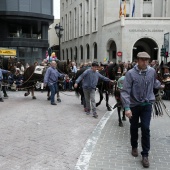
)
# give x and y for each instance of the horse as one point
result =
(36, 73)
(103, 87)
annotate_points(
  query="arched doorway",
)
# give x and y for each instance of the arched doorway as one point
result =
(81, 52)
(145, 44)
(75, 56)
(71, 53)
(63, 54)
(88, 51)
(112, 50)
(67, 53)
(95, 51)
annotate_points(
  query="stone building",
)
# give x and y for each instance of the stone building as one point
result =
(94, 30)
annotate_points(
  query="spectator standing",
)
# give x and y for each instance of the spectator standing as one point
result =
(1, 79)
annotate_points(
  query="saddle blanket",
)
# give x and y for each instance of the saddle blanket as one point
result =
(39, 69)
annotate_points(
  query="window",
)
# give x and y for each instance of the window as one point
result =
(71, 52)
(63, 54)
(75, 22)
(146, 15)
(66, 29)
(63, 5)
(67, 53)
(81, 49)
(80, 20)
(62, 24)
(87, 17)
(66, 3)
(70, 27)
(95, 50)
(94, 15)
(88, 51)
(75, 56)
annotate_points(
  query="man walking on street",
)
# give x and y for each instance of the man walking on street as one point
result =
(90, 79)
(137, 99)
(51, 78)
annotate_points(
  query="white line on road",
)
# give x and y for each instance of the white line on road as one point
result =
(86, 154)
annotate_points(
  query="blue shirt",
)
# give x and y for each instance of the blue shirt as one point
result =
(90, 79)
(1, 73)
(138, 87)
(74, 70)
(51, 76)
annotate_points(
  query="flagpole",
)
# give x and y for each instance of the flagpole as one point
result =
(133, 9)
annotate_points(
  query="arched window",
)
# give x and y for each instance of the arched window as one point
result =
(81, 49)
(71, 52)
(67, 53)
(95, 50)
(75, 56)
(63, 54)
(88, 51)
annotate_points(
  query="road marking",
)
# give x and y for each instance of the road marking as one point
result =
(86, 154)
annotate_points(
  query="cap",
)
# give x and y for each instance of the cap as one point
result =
(143, 55)
(95, 64)
(165, 66)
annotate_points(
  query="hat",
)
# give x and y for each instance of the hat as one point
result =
(95, 64)
(165, 66)
(143, 55)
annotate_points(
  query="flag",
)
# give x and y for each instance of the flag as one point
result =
(124, 8)
(133, 9)
(120, 11)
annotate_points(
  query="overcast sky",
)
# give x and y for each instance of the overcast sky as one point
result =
(56, 10)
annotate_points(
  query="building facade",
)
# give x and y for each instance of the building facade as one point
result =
(95, 30)
(53, 38)
(24, 27)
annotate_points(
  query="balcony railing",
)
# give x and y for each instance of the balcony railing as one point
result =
(24, 35)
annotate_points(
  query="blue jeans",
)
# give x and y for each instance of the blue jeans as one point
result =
(68, 85)
(54, 89)
(144, 113)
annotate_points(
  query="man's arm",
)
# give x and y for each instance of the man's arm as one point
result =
(105, 78)
(46, 77)
(125, 94)
(80, 78)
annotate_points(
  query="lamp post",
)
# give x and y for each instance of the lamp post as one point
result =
(59, 29)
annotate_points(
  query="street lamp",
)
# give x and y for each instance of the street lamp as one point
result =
(59, 29)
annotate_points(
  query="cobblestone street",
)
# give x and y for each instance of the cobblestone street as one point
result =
(38, 136)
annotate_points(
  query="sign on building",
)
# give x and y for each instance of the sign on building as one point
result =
(7, 52)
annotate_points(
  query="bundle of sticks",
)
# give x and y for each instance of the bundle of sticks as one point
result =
(159, 106)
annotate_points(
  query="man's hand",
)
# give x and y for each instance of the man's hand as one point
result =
(112, 81)
(162, 86)
(128, 113)
(75, 85)
(44, 85)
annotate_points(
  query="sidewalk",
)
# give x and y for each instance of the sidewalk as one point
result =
(113, 151)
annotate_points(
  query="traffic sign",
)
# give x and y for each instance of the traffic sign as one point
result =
(119, 54)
